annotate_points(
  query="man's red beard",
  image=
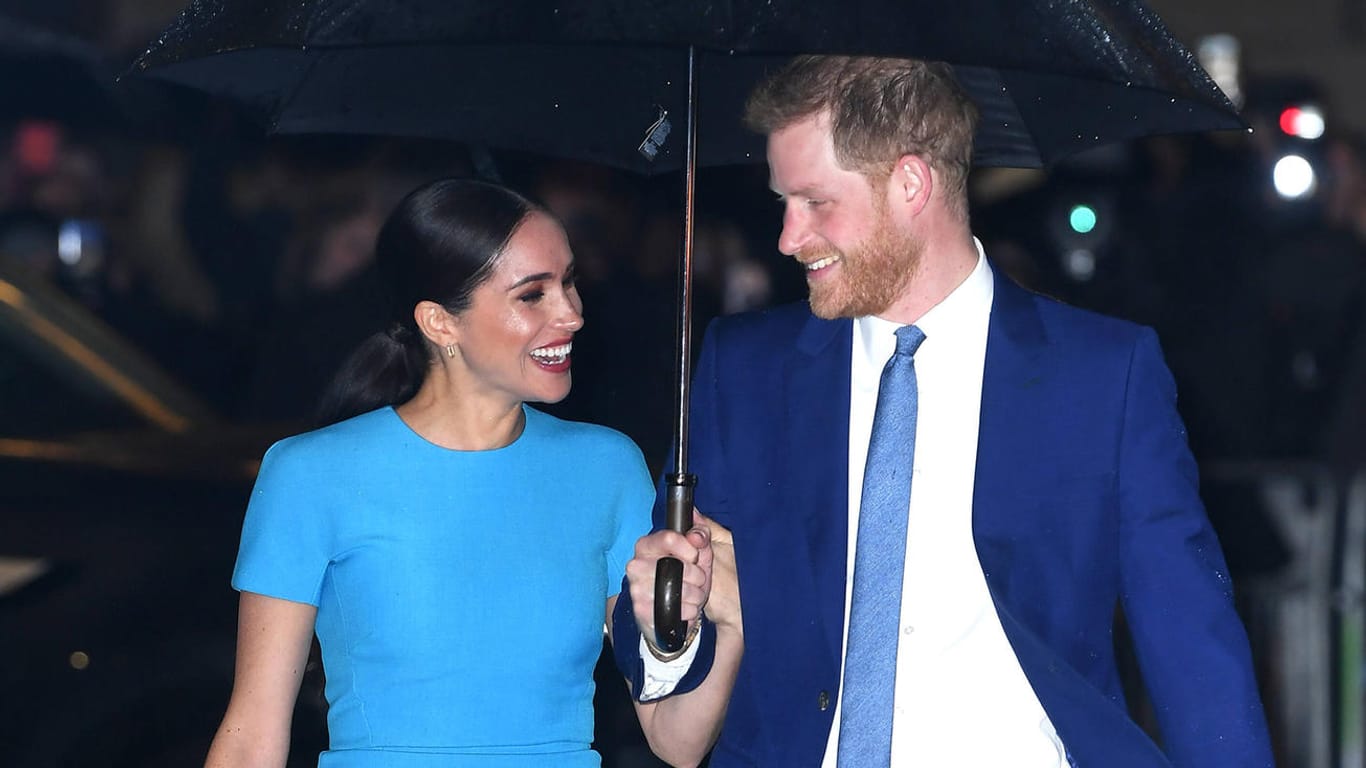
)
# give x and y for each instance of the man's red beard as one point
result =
(870, 277)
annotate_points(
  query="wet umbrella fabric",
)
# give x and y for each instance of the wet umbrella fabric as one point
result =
(591, 79)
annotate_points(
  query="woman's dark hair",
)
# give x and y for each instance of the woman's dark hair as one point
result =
(440, 243)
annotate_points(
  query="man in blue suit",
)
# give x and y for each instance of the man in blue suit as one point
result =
(1051, 484)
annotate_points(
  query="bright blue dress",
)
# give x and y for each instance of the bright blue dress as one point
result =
(460, 594)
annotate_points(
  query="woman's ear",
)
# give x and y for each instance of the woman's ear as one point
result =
(438, 325)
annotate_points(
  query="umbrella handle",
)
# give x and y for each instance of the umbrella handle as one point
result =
(669, 625)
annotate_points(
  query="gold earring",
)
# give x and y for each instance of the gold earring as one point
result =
(450, 350)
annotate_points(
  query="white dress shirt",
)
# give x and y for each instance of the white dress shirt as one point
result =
(961, 697)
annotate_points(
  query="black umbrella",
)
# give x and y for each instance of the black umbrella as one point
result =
(588, 79)
(617, 82)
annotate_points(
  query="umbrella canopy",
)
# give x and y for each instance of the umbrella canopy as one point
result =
(605, 80)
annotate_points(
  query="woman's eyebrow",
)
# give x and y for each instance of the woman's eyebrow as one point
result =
(536, 278)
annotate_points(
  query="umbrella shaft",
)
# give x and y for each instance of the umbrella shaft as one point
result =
(684, 335)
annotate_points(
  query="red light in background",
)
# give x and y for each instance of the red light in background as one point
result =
(1289, 118)
(35, 145)
(1304, 121)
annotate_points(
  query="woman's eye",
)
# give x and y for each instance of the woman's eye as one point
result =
(532, 297)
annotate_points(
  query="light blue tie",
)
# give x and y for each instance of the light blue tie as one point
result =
(880, 555)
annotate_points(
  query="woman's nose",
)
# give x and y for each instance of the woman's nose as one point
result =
(571, 314)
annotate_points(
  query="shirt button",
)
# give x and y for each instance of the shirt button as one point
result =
(908, 630)
(823, 700)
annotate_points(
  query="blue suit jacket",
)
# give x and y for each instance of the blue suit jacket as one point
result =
(1085, 498)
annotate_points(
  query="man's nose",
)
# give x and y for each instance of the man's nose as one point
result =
(794, 234)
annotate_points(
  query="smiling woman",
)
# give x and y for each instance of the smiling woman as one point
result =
(514, 340)
(398, 532)
(439, 252)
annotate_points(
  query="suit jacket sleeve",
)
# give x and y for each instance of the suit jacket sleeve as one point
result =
(1175, 586)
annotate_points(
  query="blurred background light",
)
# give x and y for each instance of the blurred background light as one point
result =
(1080, 264)
(1082, 218)
(69, 242)
(1220, 56)
(1304, 121)
(1294, 177)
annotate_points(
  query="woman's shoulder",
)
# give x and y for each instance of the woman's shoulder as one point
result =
(335, 441)
(580, 435)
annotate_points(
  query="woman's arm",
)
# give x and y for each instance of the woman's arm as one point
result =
(681, 729)
(273, 640)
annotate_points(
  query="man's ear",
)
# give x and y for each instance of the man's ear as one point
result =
(438, 325)
(912, 182)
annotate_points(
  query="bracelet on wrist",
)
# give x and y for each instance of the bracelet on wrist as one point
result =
(687, 643)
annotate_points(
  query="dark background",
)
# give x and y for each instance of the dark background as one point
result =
(239, 263)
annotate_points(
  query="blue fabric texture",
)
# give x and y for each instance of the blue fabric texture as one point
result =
(460, 594)
(879, 560)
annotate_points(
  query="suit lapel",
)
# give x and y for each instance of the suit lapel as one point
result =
(815, 451)
(817, 447)
(1015, 365)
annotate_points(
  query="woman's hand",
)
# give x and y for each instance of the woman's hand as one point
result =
(683, 728)
(694, 550)
(723, 602)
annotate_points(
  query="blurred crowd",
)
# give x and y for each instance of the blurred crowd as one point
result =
(242, 263)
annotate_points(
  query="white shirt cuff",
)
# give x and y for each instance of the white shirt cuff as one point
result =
(661, 677)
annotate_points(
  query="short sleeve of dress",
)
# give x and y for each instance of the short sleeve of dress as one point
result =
(635, 499)
(284, 550)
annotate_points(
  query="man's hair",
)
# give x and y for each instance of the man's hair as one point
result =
(880, 109)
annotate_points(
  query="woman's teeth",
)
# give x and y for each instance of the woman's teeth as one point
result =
(556, 354)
